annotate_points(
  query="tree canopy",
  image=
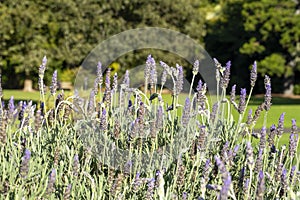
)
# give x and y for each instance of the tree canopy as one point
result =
(66, 31)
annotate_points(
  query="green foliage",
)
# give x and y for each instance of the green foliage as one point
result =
(297, 89)
(274, 65)
(266, 30)
(68, 30)
(275, 29)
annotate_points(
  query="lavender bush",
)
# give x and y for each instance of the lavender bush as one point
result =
(43, 155)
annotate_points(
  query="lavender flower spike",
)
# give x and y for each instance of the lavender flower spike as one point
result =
(137, 183)
(294, 126)
(226, 76)
(268, 95)
(242, 103)
(225, 188)
(196, 67)
(42, 67)
(11, 107)
(280, 125)
(179, 82)
(51, 182)
(249, 155)
(186, 113)
(25, 164)
(53, 86)
(293, 144)
(150, 71)
(150, 190)
(253, 74)
(103, 123)
(260, 186)
(232, 93)
(99, 73)
(126, 80)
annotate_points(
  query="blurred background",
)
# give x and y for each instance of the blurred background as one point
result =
(241, 31)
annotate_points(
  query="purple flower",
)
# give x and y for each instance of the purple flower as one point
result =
(268, 95)
(150, 190)
(278, 172)
(51, 182)
(260, 186)
(128, 168)
(186, 113)
(42, 67)
(214, 112)
(199, 86)
(246, 185)
(235, 150)
(283, 182)
(226, 76)
(159, 117)
(11, 105)
(292, 174)
(249, 118)
(222, 168)
(99, 73)
(179, 81)
(137, 183)
(201, 138)
(253, 74)
(126, 80)
(91, 105)
(107, 79)
(294, 126)
(25, 164)
(242, 103)
(115, 83)
(201, 98)
(164, 77)
(258, 110)
(196, 67)
(249, 155)
(150, 71)
(280, 125)
(259, 160)
(76, 165)
(293, 144)
(53, 86)
(67, 193)
(262, 141)
(225, 188)
(184, 195)
(272, 135)
(103, 123)
(232, 96)
(149, 63)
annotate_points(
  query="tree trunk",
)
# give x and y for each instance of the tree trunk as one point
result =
(27, 85)
(288, 85)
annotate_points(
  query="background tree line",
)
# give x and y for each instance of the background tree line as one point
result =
(66, 31)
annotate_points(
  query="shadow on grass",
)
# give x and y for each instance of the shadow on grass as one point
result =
(256, 100)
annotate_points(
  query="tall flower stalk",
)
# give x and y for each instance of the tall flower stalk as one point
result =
(42, 69)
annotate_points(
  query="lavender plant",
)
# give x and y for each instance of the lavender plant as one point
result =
(226, 158)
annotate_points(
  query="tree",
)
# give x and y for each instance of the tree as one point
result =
(66, 31)
(225, 35)
(274, 26)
